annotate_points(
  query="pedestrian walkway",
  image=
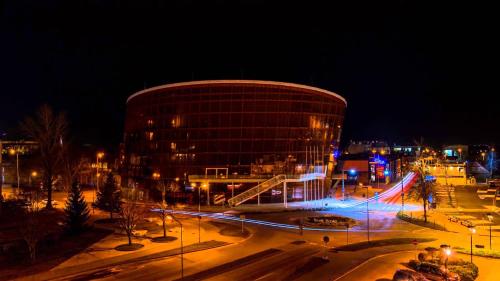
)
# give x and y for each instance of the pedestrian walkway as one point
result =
(446, 196)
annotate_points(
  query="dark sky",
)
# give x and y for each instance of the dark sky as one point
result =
(407, 68)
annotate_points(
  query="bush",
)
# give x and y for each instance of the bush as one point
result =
(467, 272)
(12, 209)
(413, 264)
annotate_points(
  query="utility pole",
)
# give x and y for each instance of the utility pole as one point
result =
(1, 170)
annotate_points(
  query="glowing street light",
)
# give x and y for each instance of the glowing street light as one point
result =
(99, 155)
(351, 172)
(447, 252)
(13, 151)
(33, 174)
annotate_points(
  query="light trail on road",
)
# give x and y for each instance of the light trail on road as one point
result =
(221, 216)
(334, 204)
(391, 192)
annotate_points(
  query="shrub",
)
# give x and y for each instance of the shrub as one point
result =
(467, 272)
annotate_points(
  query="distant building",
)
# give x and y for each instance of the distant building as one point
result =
(374, 147)
(176, 133)
(367, 168)
(458, 152)
(12, 153)
(449, 173)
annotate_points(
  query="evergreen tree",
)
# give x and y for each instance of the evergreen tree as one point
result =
(109, 197)
(77, 211)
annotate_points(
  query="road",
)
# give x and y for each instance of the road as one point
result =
(383, 267)
(284, 259)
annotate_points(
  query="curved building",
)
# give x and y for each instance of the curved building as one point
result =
(246, 127)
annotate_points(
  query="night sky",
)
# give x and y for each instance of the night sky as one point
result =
(408, 69)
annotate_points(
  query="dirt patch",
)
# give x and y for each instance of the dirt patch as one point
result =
(162, 239)
(127, 247)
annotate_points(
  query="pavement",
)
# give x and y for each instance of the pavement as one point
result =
(280, 253)
(382, 267)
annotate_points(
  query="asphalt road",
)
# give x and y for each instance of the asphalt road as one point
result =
(382, 268)
(467, 198)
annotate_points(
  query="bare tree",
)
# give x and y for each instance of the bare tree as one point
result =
(49, 130)
(130, 215)
(163, 215)
(72, 165)
(32, 230)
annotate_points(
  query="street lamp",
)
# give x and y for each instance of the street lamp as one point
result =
(99, 155)
(193, 185)
(483, 154)
(13, 151)
(206, 186)
(447, 252)
(351, 172)
(490, 218)
(172, 217)
(460, 153)
(472, 232)
(33, 174)
(367, 216)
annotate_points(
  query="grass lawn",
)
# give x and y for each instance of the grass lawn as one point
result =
(420, 222)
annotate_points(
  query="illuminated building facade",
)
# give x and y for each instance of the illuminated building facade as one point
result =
(246, 127)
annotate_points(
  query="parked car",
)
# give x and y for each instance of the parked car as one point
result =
(453, 219)
(408, 275)
(435, 273)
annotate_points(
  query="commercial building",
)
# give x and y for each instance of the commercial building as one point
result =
(178, 133)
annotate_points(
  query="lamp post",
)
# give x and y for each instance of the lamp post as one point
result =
(98, 156)
(351, 172)
(483, 154)
(172, 217)
(460, 153)
(208, 192)
(13, 151)
(33, 174)
(490, 218)
(199, 229)
(402, 192)
(447, 252)
(367, 216)
(347, 233)
(491, 162)
(472, 231)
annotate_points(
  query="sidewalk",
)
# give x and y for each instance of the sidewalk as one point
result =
(65, 272)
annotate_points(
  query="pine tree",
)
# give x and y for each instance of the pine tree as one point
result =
(109, 197)
(77, 211)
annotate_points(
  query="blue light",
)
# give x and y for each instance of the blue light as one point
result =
(386, 173)
(352, 171)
